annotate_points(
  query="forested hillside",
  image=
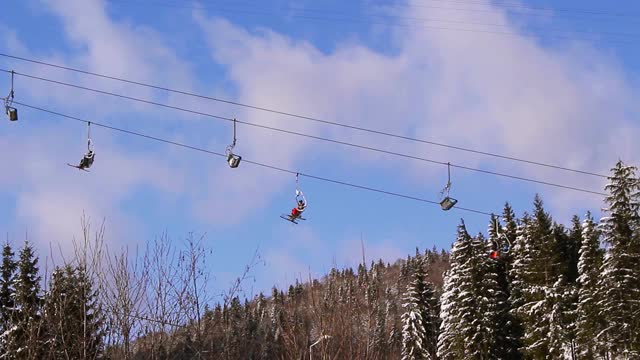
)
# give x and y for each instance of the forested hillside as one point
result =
(530, 288)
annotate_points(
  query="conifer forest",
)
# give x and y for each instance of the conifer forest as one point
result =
(529, 288)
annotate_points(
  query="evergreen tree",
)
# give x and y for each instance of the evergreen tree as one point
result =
(7, 278)
(565, 291)
(510, 228)
(536, 269)
(448, 343)
(457, 300)
(24, 340)
(588, 317)
(521, 259)
(469, 302)
(380, 343)
(419, 319)
(506, 344)
(554, 301)
(71, 319)
(570, 250)
(488, 300)
(393, 314)
(620, 279)
(562, 298)
(518, 273)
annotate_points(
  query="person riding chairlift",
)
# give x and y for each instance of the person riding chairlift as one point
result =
(297, 211)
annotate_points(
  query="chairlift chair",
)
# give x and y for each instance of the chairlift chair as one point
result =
(447, 202)
(89, 156)
(506, 245)
(12, 113)
(232, 159)
(300, 200)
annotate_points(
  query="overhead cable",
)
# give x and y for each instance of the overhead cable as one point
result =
(518, 5)
(516, 9)
(309, 118)
(515, 177)
(405, 21)
(311, 176)
(296, 14)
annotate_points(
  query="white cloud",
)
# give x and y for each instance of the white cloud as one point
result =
(565, 105)
(568, 105)
(51, 197)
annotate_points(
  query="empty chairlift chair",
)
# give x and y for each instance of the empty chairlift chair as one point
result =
(12, 113)
(232, 159)
(447, 202)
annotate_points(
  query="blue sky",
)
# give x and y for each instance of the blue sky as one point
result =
(557, 86)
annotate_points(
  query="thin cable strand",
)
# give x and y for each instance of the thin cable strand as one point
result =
(404, 21)
(320, 178)
(312, 136)
(402, 25)
(352, 127)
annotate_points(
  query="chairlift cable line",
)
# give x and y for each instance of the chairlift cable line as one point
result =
(515, 5)
(353, 127)
(578, 14)
(520, 178)
(558, 34)
(506, 5)
(273, 167)
(395, 20)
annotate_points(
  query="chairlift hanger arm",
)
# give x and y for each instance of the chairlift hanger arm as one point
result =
(89, 142)
(234, 131)
(300, 194)
(8, 101)
(11, 92)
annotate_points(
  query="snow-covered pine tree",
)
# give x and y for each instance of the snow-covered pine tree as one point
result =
(570, 250)
(7, 278)
(418, 337)
(536, 269)
(25, 335)
(518, 275)
(561, 296)
(7, 289)
(558, 299)
(448, 344)
(468, 314)
(620, 279)
(431, 314)
(547, 265)
(488, 299)
(457, 305)
(588, 317)
(510, 227)
(375, 297)
(506, 341)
